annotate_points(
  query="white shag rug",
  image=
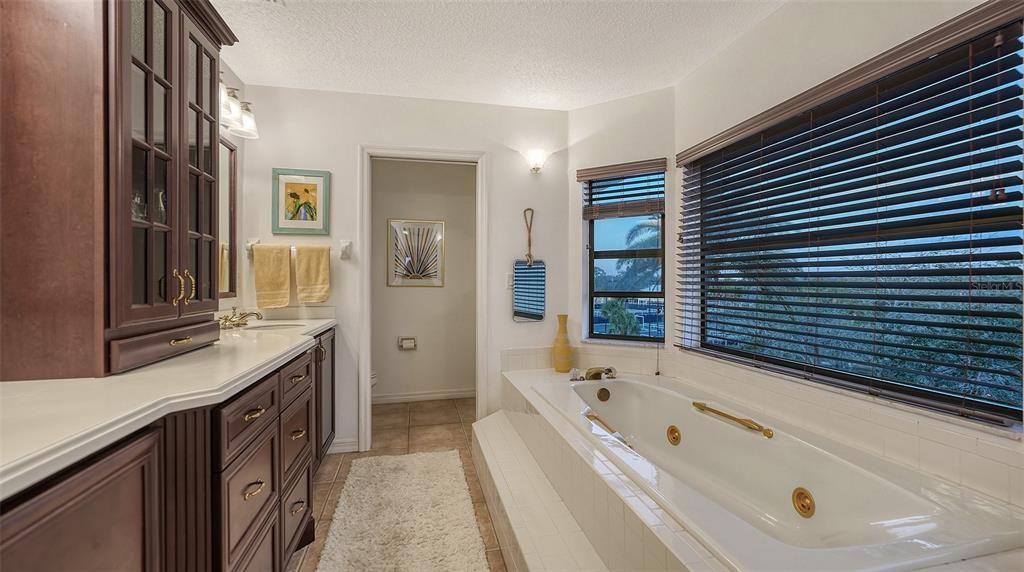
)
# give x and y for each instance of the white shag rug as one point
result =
(405, 512)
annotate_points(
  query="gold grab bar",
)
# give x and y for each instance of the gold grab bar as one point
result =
(595, 418)
(748, 423)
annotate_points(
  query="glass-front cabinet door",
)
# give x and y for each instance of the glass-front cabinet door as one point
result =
(199, 201)
(145, 233)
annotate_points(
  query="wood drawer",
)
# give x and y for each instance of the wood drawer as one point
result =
(296, 376)
(249, 490)
(296, 507)
(265, 553)
(138, 351)
(296, 433)
(240, 420)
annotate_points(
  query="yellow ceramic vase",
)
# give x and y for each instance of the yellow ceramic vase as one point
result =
(561, 354)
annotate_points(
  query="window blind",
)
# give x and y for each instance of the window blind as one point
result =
(627, 189)
(874, 241)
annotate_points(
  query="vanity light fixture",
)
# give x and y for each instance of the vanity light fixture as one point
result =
(230, 107)
(248, 128)
(536, 158)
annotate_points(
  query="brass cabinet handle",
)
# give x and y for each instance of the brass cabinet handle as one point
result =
(181, 341)
(192, 293)
(181, 288)
(297, 378)
(298, 507)
(254, 414)
(322, 351)
(296, 435)
(251, 492)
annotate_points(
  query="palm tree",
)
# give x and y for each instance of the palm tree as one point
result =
(642, 274)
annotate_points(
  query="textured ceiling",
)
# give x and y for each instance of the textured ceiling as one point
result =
(546, 54)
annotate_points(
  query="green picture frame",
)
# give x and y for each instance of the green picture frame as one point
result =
(301, 201)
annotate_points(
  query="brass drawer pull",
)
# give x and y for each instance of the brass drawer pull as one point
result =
(296, 435)
(181, 288)
(181, 341)
(297, 378)
(192, 280)
(251, 492)
(298, 507)
(254, 414)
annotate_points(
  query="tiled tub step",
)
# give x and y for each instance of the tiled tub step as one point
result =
(535, 529)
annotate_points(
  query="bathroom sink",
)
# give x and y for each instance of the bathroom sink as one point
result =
(273, 326)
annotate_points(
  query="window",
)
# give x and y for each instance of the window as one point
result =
(875, 240)
(625, 207)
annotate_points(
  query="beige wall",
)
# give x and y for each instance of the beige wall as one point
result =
(443, 320)
(306, 129)
(800, 45)
(629, 129)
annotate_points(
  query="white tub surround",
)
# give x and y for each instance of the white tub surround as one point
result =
(725, 491)
(535, 529)
(47, 425)
(983, 457)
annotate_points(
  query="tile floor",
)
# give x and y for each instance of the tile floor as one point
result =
(399, 429)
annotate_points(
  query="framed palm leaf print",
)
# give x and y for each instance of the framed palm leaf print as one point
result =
(415, 252)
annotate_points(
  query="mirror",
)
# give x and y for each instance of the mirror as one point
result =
(528, 284)
(227, 181)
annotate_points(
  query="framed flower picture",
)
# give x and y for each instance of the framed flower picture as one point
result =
(301, 201)
(415, 253)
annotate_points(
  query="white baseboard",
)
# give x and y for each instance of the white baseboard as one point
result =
(423, 395)
(343, 446)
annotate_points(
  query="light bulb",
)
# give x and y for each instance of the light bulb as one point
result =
(230, 108)
(247, 130)
(536, 158)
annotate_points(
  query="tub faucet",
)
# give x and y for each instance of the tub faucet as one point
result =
(600, 373)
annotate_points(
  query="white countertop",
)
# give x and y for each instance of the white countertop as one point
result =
(47, 425)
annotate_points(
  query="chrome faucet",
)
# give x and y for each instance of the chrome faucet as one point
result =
(236, 320)
(600, 373)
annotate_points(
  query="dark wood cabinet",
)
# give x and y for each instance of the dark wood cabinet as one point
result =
(163, 207)
(324, 394)
(114, 123)
(106, 515)
(224, 487)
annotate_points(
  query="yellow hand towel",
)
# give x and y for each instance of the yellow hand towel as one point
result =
(224, 280)
(313, 273)
(273, 276)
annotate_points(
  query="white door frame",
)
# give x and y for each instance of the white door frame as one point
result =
(364, 223)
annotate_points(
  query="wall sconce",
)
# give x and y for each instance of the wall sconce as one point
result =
(248, 128)
(536, 158)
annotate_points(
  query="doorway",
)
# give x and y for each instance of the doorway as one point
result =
(423, 349)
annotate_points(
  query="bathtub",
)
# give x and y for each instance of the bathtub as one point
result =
(741, 490)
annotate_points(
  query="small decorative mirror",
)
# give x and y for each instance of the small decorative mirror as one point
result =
(227, 181)
(528, 281)
(528, 291)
